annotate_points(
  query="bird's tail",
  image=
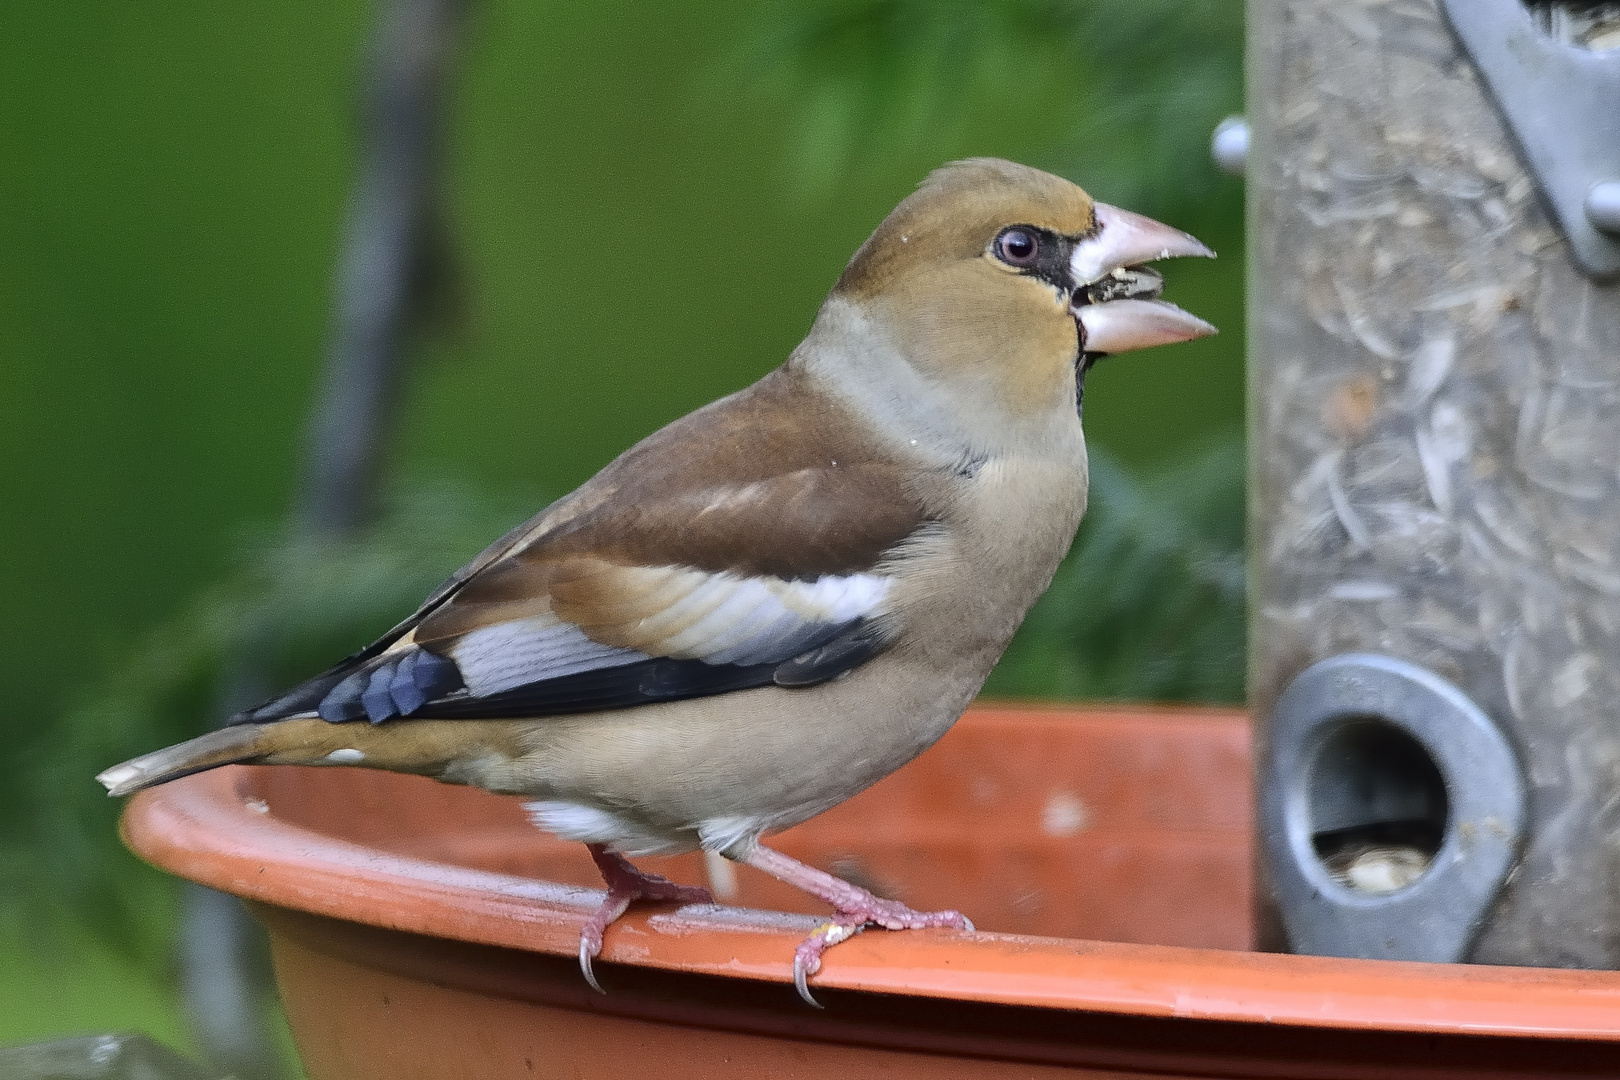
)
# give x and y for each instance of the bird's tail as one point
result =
(223, 747)
(415, 746)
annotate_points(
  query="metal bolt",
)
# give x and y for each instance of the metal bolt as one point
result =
(1230, 145)
(1603, 207)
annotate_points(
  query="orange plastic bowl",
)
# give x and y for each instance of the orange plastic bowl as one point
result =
(422, 930)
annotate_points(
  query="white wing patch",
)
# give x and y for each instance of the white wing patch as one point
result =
(524, 651)
(760, 620)
(719, 618)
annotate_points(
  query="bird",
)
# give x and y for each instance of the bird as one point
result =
(775, 601)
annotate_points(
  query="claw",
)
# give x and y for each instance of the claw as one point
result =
(585, 965)
(625, 885)
(807, 957)
(856, 909)
(801, 981)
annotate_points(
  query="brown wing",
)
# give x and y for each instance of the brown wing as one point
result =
(741, 545)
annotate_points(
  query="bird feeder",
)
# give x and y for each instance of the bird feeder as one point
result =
(1435, 476)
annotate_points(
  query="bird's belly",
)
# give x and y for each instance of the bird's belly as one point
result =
(716, 770)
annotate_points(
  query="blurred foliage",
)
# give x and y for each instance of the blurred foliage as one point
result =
(294, 606)
(1150, 79)
(100, 1057)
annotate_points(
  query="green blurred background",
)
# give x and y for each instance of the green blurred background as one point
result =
(647, 203)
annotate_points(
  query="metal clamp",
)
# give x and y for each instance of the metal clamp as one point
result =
(1229, 145)
(1562, 102)
(1391, 810)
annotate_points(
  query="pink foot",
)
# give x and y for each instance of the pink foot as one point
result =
(855, 909)
(625, 885)
(888, 914)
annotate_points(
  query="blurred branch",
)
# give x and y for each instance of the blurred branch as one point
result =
(394, 265)
(394, 262)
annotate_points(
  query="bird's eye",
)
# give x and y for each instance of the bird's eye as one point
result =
(1017, 247)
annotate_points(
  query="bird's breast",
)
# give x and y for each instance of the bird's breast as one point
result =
(1002, 533)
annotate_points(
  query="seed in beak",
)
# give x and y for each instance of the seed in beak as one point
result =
(1122, 283)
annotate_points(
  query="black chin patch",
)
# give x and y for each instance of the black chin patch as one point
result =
(1082, 364)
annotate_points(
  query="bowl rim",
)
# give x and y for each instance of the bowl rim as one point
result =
(211, 828)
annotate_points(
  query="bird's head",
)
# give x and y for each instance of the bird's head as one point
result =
(1004, 281)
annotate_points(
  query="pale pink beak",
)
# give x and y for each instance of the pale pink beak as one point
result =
(1125, 240)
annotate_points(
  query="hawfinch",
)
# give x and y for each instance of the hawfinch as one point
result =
(772, 603)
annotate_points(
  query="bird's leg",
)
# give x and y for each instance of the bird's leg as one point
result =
(855, 909)
(625, 885)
